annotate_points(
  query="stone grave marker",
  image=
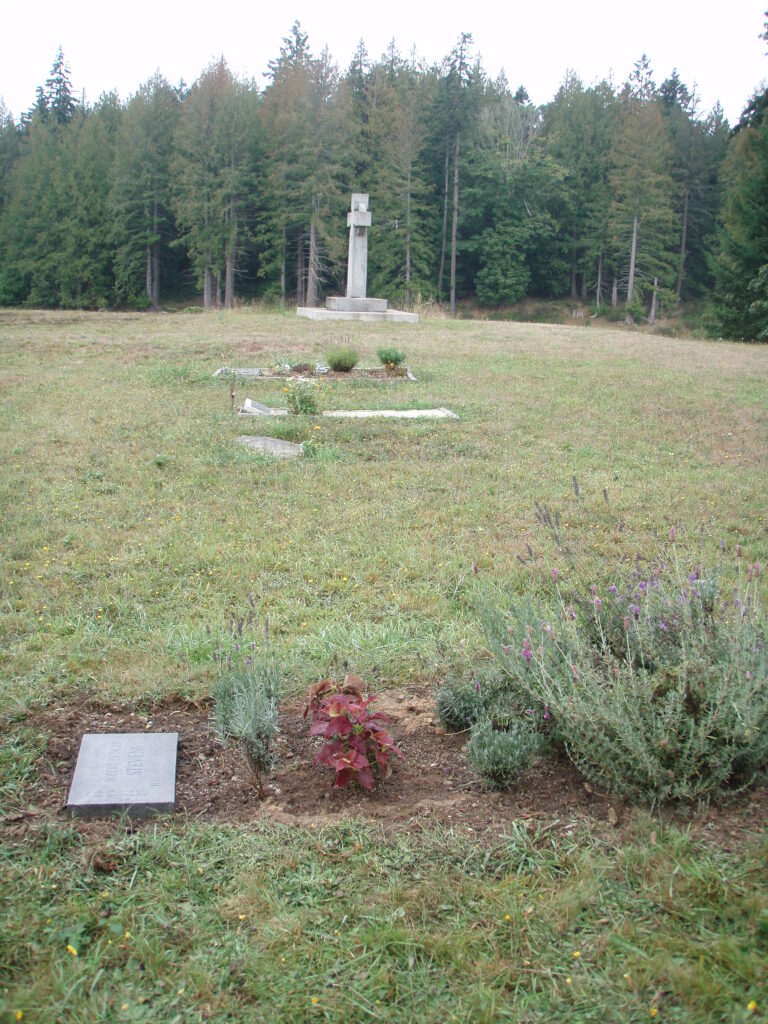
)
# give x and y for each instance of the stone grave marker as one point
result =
(271, 446)
(133, 772)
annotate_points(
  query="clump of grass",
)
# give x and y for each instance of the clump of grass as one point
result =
(499, 755)
(342, 358)
(247, 703)
(390, 357)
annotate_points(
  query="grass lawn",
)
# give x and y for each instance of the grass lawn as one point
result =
(135, 531)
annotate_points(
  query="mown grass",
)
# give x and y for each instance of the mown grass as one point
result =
(134, 528)
(344, 923)
(133, 523)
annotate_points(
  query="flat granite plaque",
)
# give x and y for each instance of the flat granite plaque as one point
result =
(133, 772)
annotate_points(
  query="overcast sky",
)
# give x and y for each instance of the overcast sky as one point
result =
(109, 46)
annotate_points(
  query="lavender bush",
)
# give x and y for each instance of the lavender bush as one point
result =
(656, 685)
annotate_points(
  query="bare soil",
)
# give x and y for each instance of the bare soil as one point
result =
(435, 781)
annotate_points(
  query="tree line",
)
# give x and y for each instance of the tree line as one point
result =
(627, 197)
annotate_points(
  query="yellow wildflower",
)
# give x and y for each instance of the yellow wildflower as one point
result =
(314, 1000)
(752, 1005)
(507, 917)
(576, 954)
(654, 1011)
(71, 950)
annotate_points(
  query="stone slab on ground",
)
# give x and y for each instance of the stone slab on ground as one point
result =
(393, 414)
(251, 408)
(394, 315)
(132, 772)
(271, 446)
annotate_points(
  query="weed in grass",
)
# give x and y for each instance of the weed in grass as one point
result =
(302, 399)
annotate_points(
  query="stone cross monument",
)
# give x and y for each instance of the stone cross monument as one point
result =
(358, 221)
(355, 305)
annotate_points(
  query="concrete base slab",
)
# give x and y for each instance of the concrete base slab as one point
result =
(271, 446)
(394, 315)
(342, 304)
(124, 772)
(392, 414)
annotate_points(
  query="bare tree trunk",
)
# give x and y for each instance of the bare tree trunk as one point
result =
(615, 293)
(599, 289)
(445, 228)
(218, 289)
(574, 289)
(148, 285)
(654, 301)
(207, 288)
(408, 232)
(230, 251)
(282, 272)
(632, 261)
(312, 282)
(300, 269)
(455, 222)
(156, 276)
(155, 295)
(679, 289)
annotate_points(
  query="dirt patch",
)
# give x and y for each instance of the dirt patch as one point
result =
(435, 781)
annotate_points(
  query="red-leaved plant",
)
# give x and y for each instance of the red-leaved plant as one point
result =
(355, 741)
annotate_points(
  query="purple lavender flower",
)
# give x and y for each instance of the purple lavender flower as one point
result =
(672, 533)
(662, 625)
(642, 586)
(635, 611)
(507, 649)
(555, 573)
(547, 715)
(546, 628)
(598, 604)
(526, 651)
(477, 686)
(570, 614)
(627, 622)
(612, 589)
(575, 672)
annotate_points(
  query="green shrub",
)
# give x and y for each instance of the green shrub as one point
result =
(342, 359)
(499, 755)
(390, 357)
(302, 399)
(657, 687)
(246, 711)
(460, 703)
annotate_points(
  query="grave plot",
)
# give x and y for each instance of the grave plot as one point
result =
(251, 408)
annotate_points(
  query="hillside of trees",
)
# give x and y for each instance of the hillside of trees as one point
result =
(618, 196)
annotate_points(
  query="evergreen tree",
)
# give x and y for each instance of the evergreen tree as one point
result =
(741, 277)
(214, 172)
(141, 199)
(58, 91)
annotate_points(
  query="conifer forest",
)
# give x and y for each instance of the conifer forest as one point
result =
(618, 196)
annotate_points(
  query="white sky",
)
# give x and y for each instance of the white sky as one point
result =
(109, 46)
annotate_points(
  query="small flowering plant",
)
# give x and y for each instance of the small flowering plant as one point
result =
(356, 743)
